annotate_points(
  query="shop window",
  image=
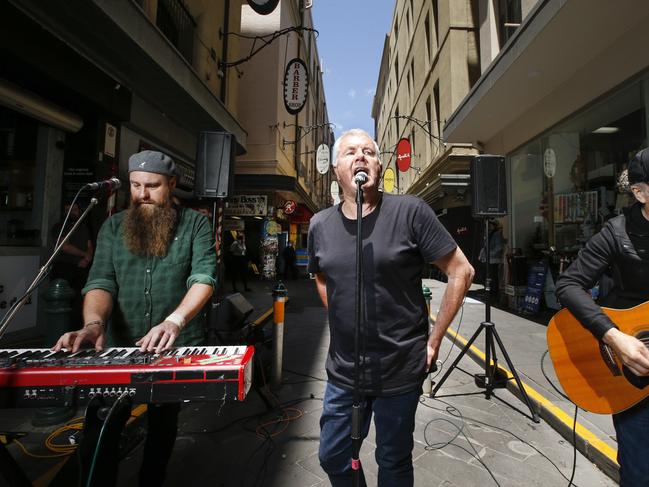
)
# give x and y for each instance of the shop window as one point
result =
(509, 13)
(428, 36)
(563, 184)
(178, 25)
(18, 137)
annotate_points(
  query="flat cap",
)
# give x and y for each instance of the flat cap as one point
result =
(152, 161)
(639, 168)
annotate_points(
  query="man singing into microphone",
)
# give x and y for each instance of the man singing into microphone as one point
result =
(153, 271)
(401, 235)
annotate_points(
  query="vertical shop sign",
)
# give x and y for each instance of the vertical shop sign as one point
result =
(323, 158)
(296, 86)
(388, 180)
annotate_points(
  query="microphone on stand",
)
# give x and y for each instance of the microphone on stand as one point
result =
(360, 178)
(112, 183)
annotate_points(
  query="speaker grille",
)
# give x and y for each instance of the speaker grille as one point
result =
(214, 165)
(489, 186)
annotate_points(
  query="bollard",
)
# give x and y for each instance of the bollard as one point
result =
(58, 309)
(279, 302)
(427, 386)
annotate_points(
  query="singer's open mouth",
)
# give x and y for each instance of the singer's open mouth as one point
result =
(359, 169)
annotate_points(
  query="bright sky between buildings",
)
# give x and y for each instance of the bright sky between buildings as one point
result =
(350, 44)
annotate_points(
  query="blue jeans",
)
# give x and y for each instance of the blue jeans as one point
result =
(632, 428)
(394, 419)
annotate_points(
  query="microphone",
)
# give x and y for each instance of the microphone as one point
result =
(360, 178)
(112, 183)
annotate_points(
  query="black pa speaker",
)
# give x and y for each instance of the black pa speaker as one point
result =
(489, 187)
(214, 165)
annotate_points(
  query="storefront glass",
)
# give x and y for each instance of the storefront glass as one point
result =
(563, 182)
(19, 220)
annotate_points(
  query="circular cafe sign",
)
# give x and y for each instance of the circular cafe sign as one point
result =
(335, 192)
(322, 159)
(403, 155)
(296, 86)
(388, 180)
(549, 162)
(263, 7)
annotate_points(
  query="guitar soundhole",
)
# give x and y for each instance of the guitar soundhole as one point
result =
(639, 382)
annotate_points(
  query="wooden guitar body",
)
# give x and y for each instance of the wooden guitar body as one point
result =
(588, 370)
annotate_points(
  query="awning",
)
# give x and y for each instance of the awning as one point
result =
(565, 55)
(104, 30)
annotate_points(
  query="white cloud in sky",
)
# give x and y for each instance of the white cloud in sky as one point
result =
(370, 92)
(351, 93)
(348, 114)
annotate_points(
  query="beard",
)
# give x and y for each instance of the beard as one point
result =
(149, 228)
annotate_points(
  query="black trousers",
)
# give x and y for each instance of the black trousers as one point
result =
(160, 438)
(239, 270)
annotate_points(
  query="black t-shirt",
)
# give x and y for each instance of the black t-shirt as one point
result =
(400, 236)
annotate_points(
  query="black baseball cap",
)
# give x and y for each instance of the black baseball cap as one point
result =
(639, 167)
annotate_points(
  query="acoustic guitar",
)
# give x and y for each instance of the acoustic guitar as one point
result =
(589, 371)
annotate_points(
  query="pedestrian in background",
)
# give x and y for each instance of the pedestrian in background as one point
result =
(239, 262)
(290, 261)
(496, 251)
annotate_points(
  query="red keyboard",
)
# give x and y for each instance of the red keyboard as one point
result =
(40, 377)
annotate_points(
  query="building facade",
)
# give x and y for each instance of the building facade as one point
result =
(564, 96)
(429, 63)
(280, 163)
(85, 85)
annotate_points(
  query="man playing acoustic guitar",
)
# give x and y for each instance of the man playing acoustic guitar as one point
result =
(622, 249)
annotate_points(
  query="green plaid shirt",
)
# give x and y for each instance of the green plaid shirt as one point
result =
(146, 290)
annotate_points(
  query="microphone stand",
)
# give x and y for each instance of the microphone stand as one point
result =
(37, 280)
(357, 413)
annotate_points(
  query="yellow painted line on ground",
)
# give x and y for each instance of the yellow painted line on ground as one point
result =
(583, 432)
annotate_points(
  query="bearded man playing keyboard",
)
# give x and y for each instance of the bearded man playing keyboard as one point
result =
(153, 272)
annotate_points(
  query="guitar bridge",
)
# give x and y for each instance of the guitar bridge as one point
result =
(608, 356)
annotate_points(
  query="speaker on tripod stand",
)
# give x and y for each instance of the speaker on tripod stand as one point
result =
(489, 200)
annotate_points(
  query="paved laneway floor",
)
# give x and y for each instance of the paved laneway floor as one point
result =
(463, 440)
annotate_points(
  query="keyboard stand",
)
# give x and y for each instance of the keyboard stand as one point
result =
(106, 460)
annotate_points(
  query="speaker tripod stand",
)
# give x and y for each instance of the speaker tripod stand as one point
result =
(493, 377)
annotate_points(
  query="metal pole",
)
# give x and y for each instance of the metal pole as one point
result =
(428, 383)
(357, 412)
(279, 302)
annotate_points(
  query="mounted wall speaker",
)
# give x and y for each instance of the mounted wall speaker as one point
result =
(214, 165)
(489, 186)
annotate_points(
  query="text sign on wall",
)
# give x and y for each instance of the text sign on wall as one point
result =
(388, 180)
(535, 286)
(322, 159)
(403, 155)
(16, 273)
(247, 205)
(296, 86)
(334, 190)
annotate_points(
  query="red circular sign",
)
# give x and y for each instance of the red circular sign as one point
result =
(403, 155)
(289, 207)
